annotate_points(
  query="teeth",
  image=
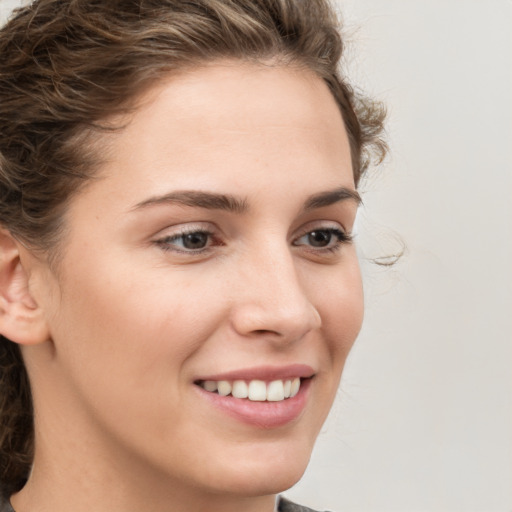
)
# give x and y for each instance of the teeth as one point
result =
(240, 389)
(210, 385)
(275, 391)
(255, 390)
(287, 388)
(294, 387)
(223, 387)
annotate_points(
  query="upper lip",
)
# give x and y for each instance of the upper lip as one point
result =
(265, 373)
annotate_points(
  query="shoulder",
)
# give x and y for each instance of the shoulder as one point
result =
(285, 505)
(5, 506)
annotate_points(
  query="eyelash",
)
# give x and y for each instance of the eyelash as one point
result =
(166, 243)
(341, 237)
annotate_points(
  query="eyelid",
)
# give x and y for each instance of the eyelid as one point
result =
(320, 225)
(342, 236)
(185, 228)
(165, 237)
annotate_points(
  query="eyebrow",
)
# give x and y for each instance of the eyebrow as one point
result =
(198, 199)
(323, 199)
(230, 203)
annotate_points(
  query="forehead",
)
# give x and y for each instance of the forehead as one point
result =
(228, 124)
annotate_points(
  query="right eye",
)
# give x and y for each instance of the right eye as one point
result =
(193, 241)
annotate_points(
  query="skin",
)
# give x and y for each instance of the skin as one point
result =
(133, 318)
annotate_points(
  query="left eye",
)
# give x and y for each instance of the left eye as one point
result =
(323, 238)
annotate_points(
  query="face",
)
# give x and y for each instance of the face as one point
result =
(211, 258)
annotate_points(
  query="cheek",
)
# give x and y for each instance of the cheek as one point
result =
(124, 347)
(134, 320)
(341, 307)
(126, 327)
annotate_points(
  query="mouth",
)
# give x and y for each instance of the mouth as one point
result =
(254, 390)
(264, 397)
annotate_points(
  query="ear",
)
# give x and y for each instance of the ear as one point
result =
(21, 319)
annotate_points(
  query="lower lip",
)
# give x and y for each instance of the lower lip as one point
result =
(261, 414)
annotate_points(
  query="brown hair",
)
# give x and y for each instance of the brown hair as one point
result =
(69, 64)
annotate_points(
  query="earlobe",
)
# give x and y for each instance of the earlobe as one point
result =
(21, 319)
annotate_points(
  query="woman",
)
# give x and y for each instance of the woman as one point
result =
(178, 280)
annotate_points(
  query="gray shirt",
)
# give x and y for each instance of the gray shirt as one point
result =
(283, 506)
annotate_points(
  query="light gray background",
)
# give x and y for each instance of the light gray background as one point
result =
(424, 415)
(423, 421)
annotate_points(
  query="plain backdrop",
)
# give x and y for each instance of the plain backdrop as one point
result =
(424, 415)
(423, 421)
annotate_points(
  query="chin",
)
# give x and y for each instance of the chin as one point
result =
(273, 481)
(271, 472)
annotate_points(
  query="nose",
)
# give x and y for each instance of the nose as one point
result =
(270, 300)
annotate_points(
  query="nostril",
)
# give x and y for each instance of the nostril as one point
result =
(264, 331)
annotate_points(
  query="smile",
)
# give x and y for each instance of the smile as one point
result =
(254, 390)
(262, 397)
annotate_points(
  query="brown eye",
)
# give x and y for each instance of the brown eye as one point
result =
(194, 241)
(327, 238)
(321, 238)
